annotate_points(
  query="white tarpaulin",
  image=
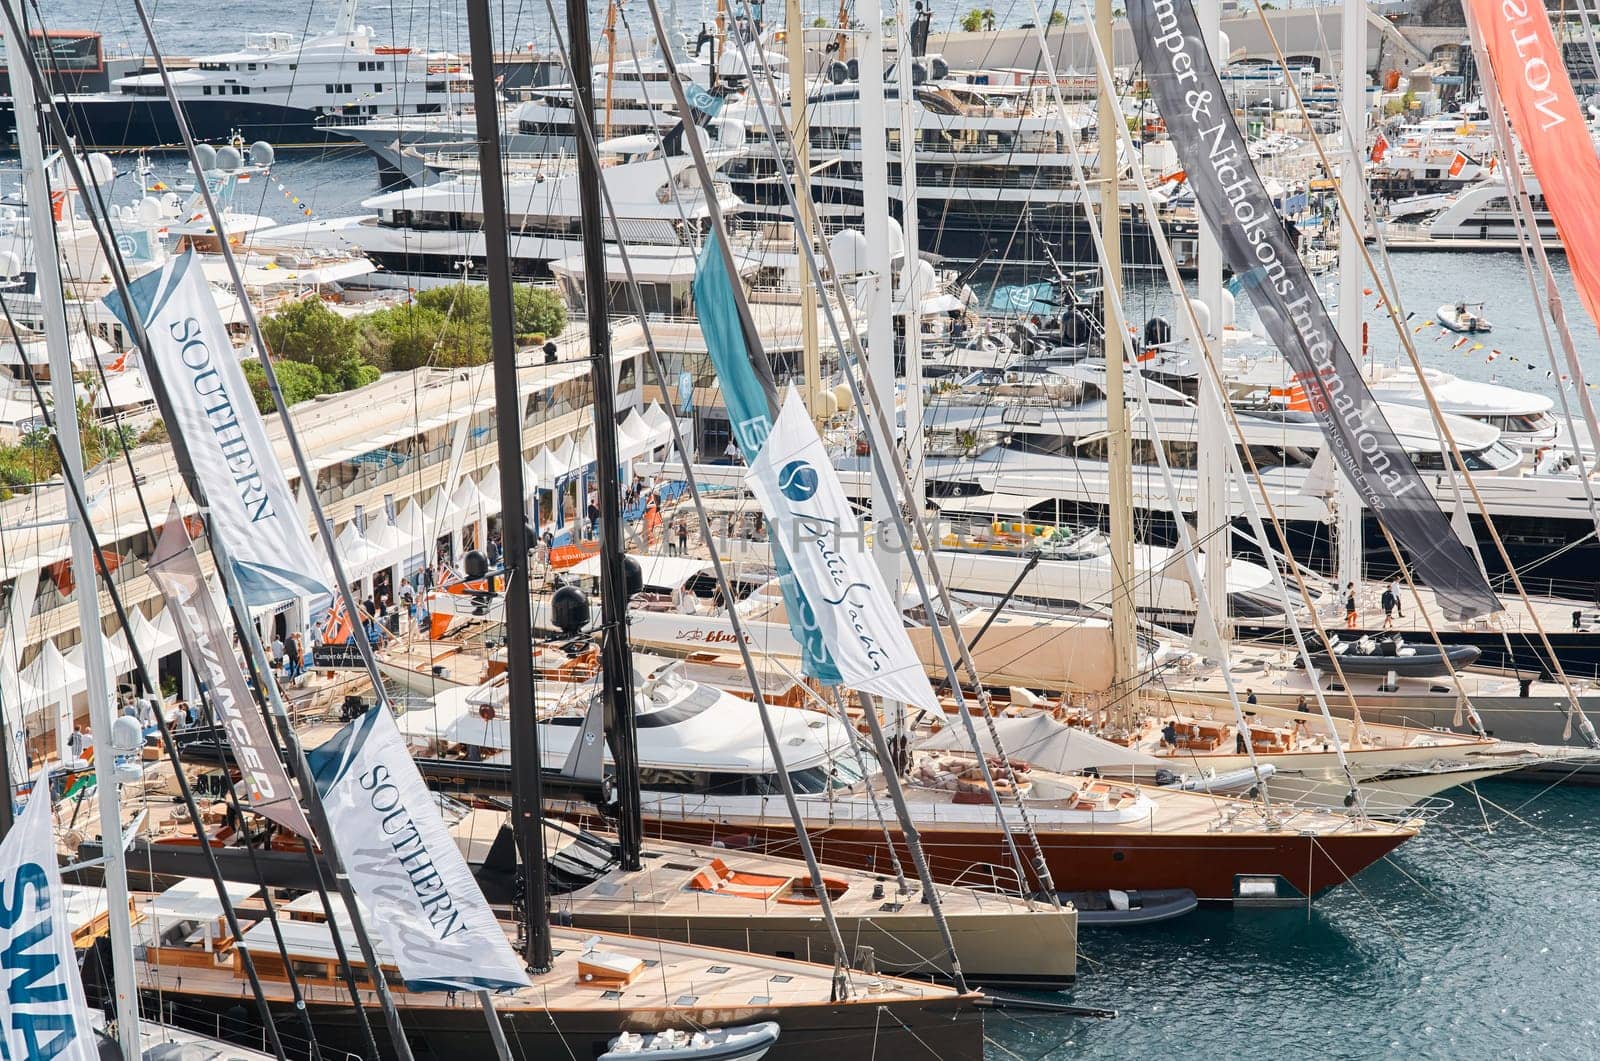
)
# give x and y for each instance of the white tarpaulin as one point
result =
(252, 511)
(853, 611)
(1046, 744)
(404, 864)
(45, 1015)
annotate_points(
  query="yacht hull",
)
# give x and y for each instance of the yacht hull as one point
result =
(1210, 864)
(148, 121)
(451, 1026)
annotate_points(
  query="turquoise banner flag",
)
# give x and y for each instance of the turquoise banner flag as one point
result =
(750, 395)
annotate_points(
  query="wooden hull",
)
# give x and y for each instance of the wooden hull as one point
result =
(1210, 864)
(453, 1028)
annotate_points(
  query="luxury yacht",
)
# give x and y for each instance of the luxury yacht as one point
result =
(293, 92)
(708, 778)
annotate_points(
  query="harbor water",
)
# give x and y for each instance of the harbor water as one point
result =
(1471, 941)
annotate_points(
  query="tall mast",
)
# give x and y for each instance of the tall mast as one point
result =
(1212, 502)
(909, 292)
(880, 264)
(527, 795)
(1118, 445)
(1353, 94)
(616, 661)
(800, 137)
(47, 278)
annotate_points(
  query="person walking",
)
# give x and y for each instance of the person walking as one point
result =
(1394, 589)
(1388, 601)
(291, 656)
(683, 537)
(1351, 619)
(277, 654)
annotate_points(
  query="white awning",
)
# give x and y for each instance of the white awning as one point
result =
(999, 503)
(667, 572)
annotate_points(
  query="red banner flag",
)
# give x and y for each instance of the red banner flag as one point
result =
(1532, 82)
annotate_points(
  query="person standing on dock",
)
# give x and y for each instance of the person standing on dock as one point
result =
(1394, 589)
(1351, 620)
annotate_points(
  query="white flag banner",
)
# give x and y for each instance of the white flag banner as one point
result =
(175, 569)
(251, 506)
(404, 865)
(857, 615)
(44, 1012)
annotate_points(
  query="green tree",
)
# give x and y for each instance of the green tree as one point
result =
(310, 333)
(972, 21)
(299, 382)
(1057, 18)
(461, 302)
(988, 19)
(538, 310)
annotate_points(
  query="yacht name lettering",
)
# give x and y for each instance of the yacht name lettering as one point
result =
(819, 534)
(1536, 67)
(210, 385)
(38, 1004)
(228, 710)
(403, 837)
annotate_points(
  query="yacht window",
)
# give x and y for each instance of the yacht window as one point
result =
(205, 90)
(378, 65)
(435, 86)
(377, 88)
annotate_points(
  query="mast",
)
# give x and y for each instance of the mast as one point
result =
(527, 795)
(1212, 501)
(800, 137)
(1353, 96)
(880, 263)
(1118, 445)
(910, 291)
(616, 661)
(47, 278)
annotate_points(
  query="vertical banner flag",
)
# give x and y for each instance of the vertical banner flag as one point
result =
(404, 865)
(856, 614)
(749, 413)
(251, 506)
(175, 569)
(1530, 77)
(44, 1014)
(1189, 94)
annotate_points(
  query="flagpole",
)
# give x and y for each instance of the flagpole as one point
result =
(47, 273)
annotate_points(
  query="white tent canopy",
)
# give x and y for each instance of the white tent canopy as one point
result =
(633, 437)
(1045, 743)
(51, 674)
(467, 497)
(489, 490)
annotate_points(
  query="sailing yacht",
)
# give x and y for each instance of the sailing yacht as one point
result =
(708, 779)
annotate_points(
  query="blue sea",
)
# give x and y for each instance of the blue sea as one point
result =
(1476, 940)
